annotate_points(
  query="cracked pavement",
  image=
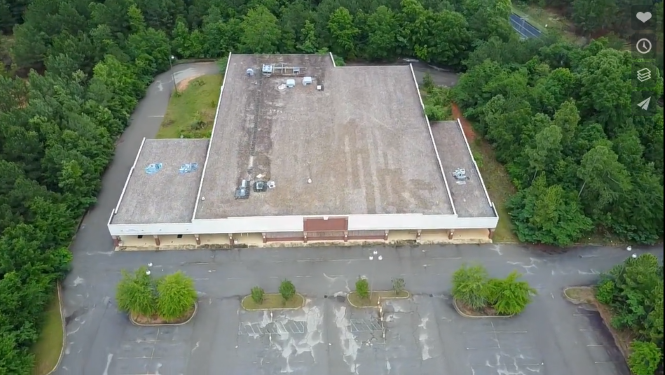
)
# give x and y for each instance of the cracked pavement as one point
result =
(424, 335)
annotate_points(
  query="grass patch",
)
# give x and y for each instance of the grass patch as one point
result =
(48, 347)
(191, 112)
(499, 187)
(580, 294)
(273, 301)
(539, 17)
(375, 298)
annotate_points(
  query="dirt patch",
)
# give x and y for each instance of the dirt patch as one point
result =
(485, 311)
(156, 319)
(622, 338)
(182, 85)
(466, 126)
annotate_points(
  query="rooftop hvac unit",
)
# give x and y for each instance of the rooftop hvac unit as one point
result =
(260, 186)
(267, 70)
(306, 81)
(242, 192)
(290, 83)
(250, 72)
(460, 174)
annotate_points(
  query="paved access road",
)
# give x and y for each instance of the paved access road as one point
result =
(424, 335)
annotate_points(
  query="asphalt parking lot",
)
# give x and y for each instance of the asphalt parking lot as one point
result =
(421, 335)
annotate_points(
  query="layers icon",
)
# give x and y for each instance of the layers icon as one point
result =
(644, 74)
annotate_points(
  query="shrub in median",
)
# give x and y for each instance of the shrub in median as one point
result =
(176, 296)
(398, 285)
(362, 288)
(509, 296)
(470, 286)
(168, 299)
(287, 290)
(257, 295)
(136, 293)
(480, 294)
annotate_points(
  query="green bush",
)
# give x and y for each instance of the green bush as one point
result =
(257, 295)
(136, 293)
(470, 286)
(287, 290)
(644, 358)
(428, 82)
(362, 288)
(398, 285)
(510, 296)
(176, 295)
(605, 291)
(435, 113)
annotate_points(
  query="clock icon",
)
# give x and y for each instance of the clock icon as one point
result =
(643, 46)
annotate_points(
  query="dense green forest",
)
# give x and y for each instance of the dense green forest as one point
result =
(559, 116)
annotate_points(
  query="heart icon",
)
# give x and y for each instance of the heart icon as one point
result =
(643, 16)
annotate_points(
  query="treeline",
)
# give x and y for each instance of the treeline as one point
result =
(597, 18)
(563, 121)
(633, 290)
(92, 62)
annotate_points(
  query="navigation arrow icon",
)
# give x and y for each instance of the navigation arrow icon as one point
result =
(644, 104)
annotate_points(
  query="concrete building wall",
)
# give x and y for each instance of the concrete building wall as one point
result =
(281, 224)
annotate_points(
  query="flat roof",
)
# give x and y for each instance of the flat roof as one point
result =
(363, 141)
(469, 197)
(167, 195)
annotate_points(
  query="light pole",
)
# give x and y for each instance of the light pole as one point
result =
(171, 58)
(374, 256)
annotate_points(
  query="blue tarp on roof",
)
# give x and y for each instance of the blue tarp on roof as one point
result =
(190, 167)
(153, 168)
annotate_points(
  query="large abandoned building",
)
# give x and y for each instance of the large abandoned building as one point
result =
(303, 151)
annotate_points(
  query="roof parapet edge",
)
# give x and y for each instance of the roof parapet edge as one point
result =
(475, 165)
(431, 136)
(129, 176)
(212, 135)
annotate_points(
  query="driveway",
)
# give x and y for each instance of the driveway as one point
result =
(423, 335)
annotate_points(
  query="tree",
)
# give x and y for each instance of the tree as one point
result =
(260, 31)
(257, 295)
(546, 149)
(362, 288)
(469, 286)
(548, 215)
(136, 293)
(382, 28)
(177, 295)
(645, 357)
(308, 42)
(287, 290)
(509, 296)
(343, 33)
(398, 285)
(603, 176)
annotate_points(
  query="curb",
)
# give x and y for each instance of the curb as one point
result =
(275, 308)
(408, 295)
(196, 307)
(478, 316)
(64, 331)
(572, 300)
